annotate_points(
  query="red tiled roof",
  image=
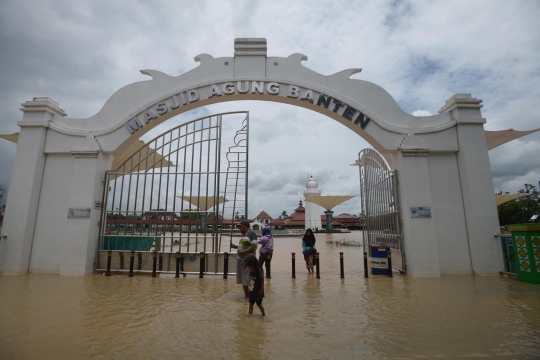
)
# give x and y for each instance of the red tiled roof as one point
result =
(347, 219)
(345, 215)
(334, 222)
(298, 217)
(275, 222)
(263, 215)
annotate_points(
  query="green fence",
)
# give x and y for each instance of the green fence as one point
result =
(128, 243)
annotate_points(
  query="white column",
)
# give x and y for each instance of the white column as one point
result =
(480, 209)
(419, 236)
(81, 235)
(25, 186)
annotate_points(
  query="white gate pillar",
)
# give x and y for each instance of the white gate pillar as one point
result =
(86, 188)
(481, 218)
(25, 186)
(420, 240)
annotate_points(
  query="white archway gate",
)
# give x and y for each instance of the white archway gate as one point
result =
(442, 160)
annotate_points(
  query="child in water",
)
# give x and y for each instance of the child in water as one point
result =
(256, 285)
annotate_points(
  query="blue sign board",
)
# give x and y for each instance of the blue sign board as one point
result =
(420, 212)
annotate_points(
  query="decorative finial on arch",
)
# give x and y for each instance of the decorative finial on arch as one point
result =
(298, 57)
(346, 74)
(155, 74)
(203, 57)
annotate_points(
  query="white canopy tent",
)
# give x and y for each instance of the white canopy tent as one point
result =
(329, 202)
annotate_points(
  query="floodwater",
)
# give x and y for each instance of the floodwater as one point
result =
(98, 317)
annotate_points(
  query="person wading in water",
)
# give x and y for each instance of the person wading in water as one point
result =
(308, 247)
(247, 247)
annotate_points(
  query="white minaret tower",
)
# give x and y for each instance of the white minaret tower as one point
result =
(313, 211)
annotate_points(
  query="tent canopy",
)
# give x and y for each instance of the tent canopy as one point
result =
(497, 138)
(204, 203)
(14, 138)
(329, 202)
(493, 139)
(155, 160)
(502, 198)
(143, 158)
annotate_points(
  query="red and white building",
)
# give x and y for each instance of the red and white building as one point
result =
(262, 220)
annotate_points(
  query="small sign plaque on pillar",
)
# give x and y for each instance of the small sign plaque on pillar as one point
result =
(420, 212)
(74, 213)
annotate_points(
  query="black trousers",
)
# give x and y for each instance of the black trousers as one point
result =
(263, 259)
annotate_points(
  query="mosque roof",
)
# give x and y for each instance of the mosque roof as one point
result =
(298, 217)
(300, 209)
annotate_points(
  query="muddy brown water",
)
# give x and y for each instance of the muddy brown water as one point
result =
(96, 317)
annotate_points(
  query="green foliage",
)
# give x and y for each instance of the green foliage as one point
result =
(190, 215)
(283, 215)
(519, 211)
(239, 217)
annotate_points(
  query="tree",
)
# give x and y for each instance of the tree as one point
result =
(520, 210)
(190, 215)
(283, 215)
(239, 217)
(115, 216)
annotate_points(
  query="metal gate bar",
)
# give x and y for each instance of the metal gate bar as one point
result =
(170, 194)
(380, 203)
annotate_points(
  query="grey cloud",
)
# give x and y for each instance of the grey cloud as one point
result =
(267, 181)
(515, 164)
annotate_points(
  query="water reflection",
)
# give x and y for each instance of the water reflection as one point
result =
(53, 317)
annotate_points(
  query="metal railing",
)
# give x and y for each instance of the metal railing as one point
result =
(380, 203)
(177, 192)
(509, 261)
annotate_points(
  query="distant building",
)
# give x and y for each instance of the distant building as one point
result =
(313, 211)
(298, 218)
(159, 214)
(262, 220)
(276, 224)
(348, 219)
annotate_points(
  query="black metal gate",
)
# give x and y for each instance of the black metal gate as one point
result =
(177, 193)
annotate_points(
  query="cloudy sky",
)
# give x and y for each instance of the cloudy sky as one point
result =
(422, 52)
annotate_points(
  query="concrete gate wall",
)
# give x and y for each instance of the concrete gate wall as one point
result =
(442, 160)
